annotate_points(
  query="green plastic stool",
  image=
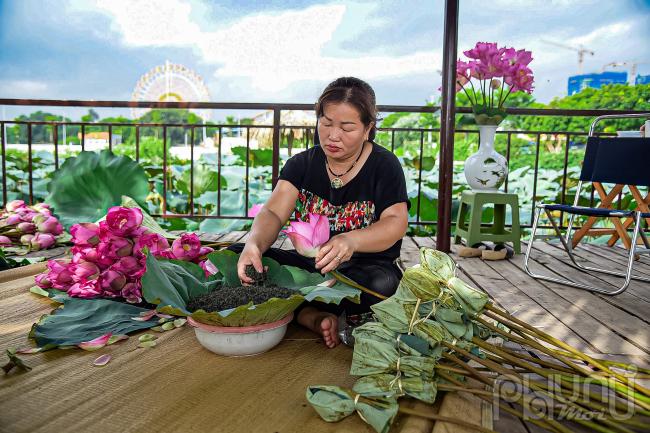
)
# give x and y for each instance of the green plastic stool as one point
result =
(474, 233)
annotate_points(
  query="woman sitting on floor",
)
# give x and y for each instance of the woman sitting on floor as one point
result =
(358, 185)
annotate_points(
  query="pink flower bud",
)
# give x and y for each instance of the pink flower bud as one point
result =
(130, 266)
(307, 237)
(114, 247)
(112, 282)
(60, 274)
(5, 241)
(204, 251)
(13, 219)
(123, 220)
(14, 205)
(83, 271)
(26, 227)
(42, 241)
(42, 281)
(26, 239)
(49, 225)
(85, 234)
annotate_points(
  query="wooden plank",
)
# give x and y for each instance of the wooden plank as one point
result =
(618, 255)
(608, 328)
(557, 260)
(410, 253)
(591, 257)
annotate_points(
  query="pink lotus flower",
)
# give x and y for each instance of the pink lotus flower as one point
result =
(123, 220)
(132, 292)
(85, 289)
(59, 274)
(84, 271)
(187, 247)
(26, 227)
(114, 247)
(254, 210)
(88, 254)
(154, 242)
(14, 205)
(5, 241)
(307, 237)
(112, 282)
(96, 343)
(208, 267)
(42, 241)
(42, 281)
(85, 234)
(129, 266)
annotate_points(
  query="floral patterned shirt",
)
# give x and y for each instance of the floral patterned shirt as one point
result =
(379, 184)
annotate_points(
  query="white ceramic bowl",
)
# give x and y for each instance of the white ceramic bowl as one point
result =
(240, 341)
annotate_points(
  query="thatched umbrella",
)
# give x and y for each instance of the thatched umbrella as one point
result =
(303, 121)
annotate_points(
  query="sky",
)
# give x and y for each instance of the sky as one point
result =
(287, 51)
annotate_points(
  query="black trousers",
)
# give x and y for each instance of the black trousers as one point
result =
(379, 275)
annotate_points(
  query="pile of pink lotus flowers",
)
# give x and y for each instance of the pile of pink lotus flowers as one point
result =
(32, 226)
(108, 259)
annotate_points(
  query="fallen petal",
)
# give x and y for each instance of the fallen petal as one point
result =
(95, 344)
(29, 350)
(144, 316)
(146, 337)
(102, 360)
(147, 344)
(116, 338)
(164, 316)
(157, 329)
(168, 326)
(179, 322)
(38, 291)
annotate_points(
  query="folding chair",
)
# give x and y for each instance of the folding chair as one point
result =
(621, 161)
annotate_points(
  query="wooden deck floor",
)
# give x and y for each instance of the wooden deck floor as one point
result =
(613, 327)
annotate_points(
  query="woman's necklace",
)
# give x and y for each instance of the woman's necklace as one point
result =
(337, 182)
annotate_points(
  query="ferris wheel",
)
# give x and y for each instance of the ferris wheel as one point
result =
(171, 82)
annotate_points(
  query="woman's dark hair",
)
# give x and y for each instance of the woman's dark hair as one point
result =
(355, 92)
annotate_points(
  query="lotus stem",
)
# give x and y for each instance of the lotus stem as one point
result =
(558, 343)
(443, 387)
(549, 424)
(342, 278)
(638, 399)
(441, 418)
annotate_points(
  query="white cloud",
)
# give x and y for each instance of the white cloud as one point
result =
(22, 88)
(272, 50)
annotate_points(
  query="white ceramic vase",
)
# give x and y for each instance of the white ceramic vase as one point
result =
(486, 170)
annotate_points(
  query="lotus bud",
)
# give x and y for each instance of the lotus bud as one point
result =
(85, 234)
(5, 241)
(26, 239)
(307, 237)
(42, 241)
(26, 227)
(14, 205)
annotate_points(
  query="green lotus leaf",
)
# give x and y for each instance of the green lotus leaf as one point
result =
(79, 320)
(171, 285)
(86, 186)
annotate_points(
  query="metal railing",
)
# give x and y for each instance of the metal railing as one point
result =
(277, 129)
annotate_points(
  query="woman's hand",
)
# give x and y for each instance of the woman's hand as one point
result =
(337, 250)
(250, 255)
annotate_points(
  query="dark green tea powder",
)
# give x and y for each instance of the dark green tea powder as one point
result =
(224, 298)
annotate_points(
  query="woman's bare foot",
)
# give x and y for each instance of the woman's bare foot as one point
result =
(325, 324)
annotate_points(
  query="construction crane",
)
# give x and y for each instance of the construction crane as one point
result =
(579, 49)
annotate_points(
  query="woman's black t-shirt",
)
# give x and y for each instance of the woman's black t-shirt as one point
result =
(379, 184)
